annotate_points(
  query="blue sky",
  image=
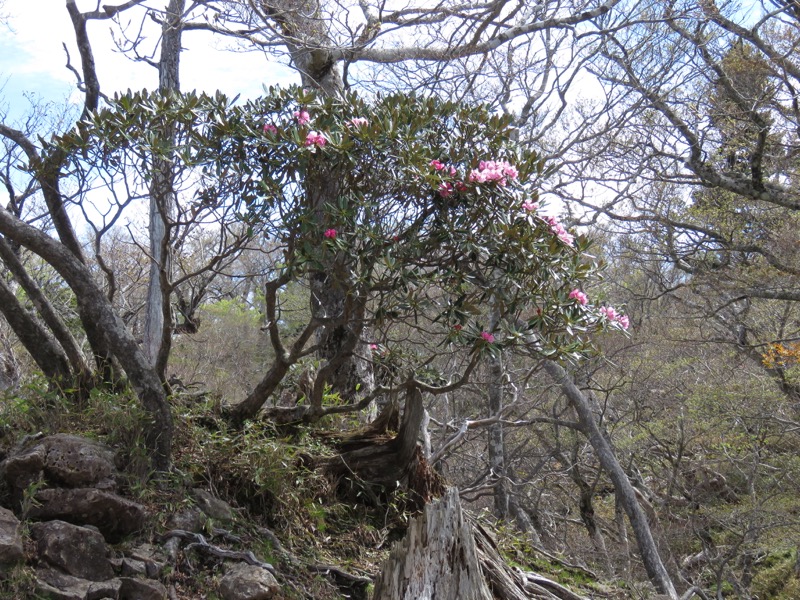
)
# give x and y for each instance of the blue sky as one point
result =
(32, 59)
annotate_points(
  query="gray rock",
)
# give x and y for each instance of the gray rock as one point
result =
(76, 462)
(99, 590)
(192, 519)
(61, 585)
(132, 568)
(141, 589)
(248, 582)
(213, 507)
(61, 459)
(10, 538)
(113, 515)
(78, 551)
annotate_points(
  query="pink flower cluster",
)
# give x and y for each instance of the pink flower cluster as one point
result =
(530, 206)
(614, 317)
(487, 337)
(330, 234)
(314, 138)
(302, 116)
(578, 295)
(490, 170)
(359, 122)
(270, 129)
(440, 166)
(558, 229)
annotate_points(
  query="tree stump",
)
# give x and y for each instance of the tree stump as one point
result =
(437, 560)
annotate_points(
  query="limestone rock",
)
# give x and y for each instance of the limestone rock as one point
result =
(10, 539)
(248, 582)
(141, 589)
(77, 551)
(113, 515)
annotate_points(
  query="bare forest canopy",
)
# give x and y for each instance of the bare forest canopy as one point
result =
(547, 252)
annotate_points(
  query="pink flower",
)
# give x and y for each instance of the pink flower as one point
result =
(558, 229)
(614, 317)
(315, 138)
(359, 122)
(578, 295)
(302, 117)
(457, 327)
(530, 206)
(270, 129)
(445, 189)
(461, 186)
(490, 170)
(330, 234)
(437, 164)
(373, 347)
(488, 337)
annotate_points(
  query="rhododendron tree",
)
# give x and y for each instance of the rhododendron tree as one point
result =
(418, 204)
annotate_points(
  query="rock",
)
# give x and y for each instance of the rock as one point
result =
(248, 582)
(99, 590)
(61, 459)
(61, 586)
(192, 519)
(22, 469)
(76, 462)
(213, 507)
(113, 515)
(78, 551)
(10, 538)
(132, 568)
(152, 557)
(141, 589)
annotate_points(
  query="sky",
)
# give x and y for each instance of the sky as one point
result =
(32, 59)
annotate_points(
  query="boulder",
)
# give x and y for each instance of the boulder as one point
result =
(60, 586)
(77, 551)
(10, 538)
(141, 589)
(113, 515)
(99, 590)
(62, 460)
(76, 462)
(248, 582)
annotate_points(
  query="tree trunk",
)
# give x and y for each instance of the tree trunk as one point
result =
(45, 309)
(95, 306)
(647, 547)
(158, 321)
(47, 355)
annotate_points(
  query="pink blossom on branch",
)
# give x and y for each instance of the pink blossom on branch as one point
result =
(437, 164)
(445, 189)
(314, 138)
(558, 229)
(530, 206)
(359, 122)
(488, 337)
(302, 117)
(614, 317)
(270, 129)
(330, 234)
(490, 170)
(578, 295)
